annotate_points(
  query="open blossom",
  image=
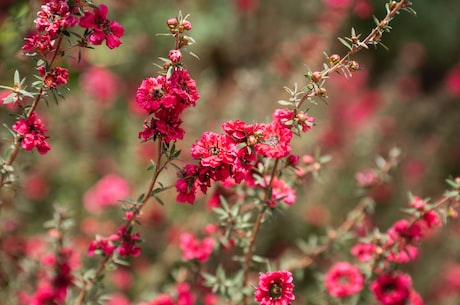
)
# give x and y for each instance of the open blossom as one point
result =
(193, 248)
(102, 28)
(38, 43)
(275, 288)
(105, 193)
(33, 131)
(363, 251)
(213, 149)
(53, 78)
(53, 16)
(344, 279)
(392, 289)
(165, 99)
(275, 142)
(281, 192)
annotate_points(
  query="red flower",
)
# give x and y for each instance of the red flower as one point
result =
(192, 248)
(275, 141)
(33, 131)
(275, 288)
(54, 16)
(102, 28)
(344, 279)
(363, 251)
(281, 192)
(213, 150)
(392, 289)
(53, 78)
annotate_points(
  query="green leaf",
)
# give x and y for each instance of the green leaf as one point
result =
(344, 42)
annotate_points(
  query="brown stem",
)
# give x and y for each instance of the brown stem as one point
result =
(148, 195)
(18, 138)
(255, 231)
(356, 48)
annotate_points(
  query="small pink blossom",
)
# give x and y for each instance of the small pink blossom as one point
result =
(275, 141)
(175, 56)
(344, 279)
(192, 248)
(101, 84)
(363, 251)
(281, 192)
(102, 28)
(105, 193)
(275, 288)
(54, 78)
(33, 131)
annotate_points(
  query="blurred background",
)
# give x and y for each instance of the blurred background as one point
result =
(407, 96)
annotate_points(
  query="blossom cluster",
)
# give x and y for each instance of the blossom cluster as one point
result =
(398, 245)
(233, 156)
(165, 97)
(32, 130)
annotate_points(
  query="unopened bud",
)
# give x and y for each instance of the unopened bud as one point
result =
(252, 140)
(321, 92)
(353, 66)
(393, 5)
(316, 77)
(187, 25)
(334, 59)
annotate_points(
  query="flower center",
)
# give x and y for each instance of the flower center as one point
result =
(214, 150)
(273, 141)
(276, 290)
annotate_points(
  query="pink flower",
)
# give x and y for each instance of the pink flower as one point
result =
(38, 43)
(344, 279)
(275, 141)
(364, 251)
(452, 81)
(184, 294)
(192, 248)
(275, 288)
(53, 78)
(392, 289)
(162, 299)
(33, 131)
(54, 16)
(101, 84)
(105, 193)
(175, 56)
(102, 28)
(281, 192)
(366, 178)
(213, 150)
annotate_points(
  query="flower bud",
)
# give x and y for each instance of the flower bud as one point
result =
(334, 59)
(187, 25)
(353, 66)
(175, 56)
(172, 23)
(321, 92)
(316, 76)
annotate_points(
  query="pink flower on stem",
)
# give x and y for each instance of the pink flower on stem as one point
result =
(363, 251)
(54, 16)
(275, 288)
(344, 279)
(175, 56)
(102, 28)
(38, 43)
(275, 141)
(192, 248)
(53, 78)
(392, 289)
(281, 192)
(213, 150)
(105, 193)
(101, 84)
(32, 131)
